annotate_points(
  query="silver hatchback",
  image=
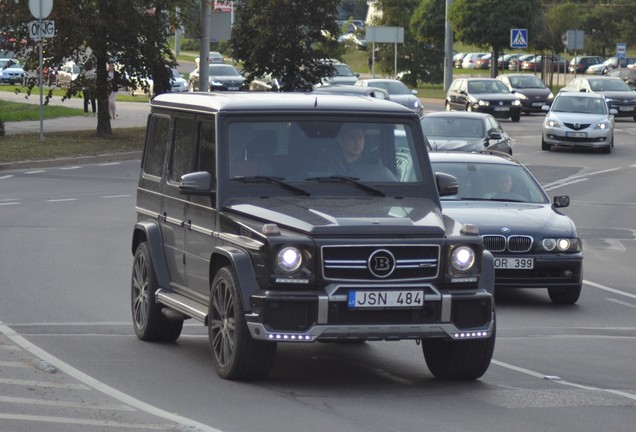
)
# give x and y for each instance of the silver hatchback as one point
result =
(579, 120)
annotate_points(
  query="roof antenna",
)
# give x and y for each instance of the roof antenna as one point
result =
(316, 102)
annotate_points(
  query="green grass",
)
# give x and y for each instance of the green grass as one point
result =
(58, 93)
(14, 111)
(26, 147)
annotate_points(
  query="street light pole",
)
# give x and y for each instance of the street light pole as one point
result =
(448, 49)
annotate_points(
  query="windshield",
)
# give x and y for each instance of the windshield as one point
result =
(609, 85)
(225, 70)
(392, 87)
(343, 70)
(492, 182)
(526, 82)
(453, 127)
(578, 104)
(313, 152)
(487, 86)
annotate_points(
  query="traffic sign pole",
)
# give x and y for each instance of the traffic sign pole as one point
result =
(40, 9)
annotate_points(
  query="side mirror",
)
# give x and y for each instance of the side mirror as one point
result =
(561, 201)
(494, 136)
(196, 183)
(414, 92)
(545, 108)
(446, 184)
(613, 111)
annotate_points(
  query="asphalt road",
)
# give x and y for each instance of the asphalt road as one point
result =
(65, 266)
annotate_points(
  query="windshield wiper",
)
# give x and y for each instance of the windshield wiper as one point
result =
(352, 180)
(270, 179)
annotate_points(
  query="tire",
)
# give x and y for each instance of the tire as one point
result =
(459, 359)
(447, 107)
(564, 296)
(515, 117)
(545, 146)
(608, 149)
(148, 321)
(236, 355)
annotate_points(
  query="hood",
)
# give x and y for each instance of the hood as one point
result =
(457, 144)
(580, 118)
(627, 95)
(533, 92)
(497, 96)
(345, 215)
(520, 218)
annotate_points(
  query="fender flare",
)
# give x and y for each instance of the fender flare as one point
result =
(150, 232)
(487, 279)
(243, 268)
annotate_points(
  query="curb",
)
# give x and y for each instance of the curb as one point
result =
(110, 157)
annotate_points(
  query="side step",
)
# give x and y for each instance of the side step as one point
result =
(182, 304)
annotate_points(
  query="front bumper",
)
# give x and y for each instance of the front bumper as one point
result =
(495, 110)
(550, 271)
(594, 138)
(324, 316)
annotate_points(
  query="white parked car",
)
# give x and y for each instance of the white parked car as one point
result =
(178, 84)
(10, 71)
(470, 59)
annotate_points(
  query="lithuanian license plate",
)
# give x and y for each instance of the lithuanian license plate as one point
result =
(383, 299)
(576, 134)
(514, 263)
(503, 108)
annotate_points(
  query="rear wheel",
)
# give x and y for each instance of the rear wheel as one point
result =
(236, 355)
(565, 296)
(148, 321)
(459, 359)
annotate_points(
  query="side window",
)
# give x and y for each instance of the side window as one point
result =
(182, 148)
(207, 148)
(156, 145)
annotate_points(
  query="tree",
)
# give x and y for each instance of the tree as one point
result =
(428, 27)
(133, 33)
(287, 39)
(487, 23)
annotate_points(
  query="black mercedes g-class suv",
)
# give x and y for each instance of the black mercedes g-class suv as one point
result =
(299, 218)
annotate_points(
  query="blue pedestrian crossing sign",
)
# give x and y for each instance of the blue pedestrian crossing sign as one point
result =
(518, 38)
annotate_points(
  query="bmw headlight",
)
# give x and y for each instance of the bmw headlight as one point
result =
(561, 244)
(463, 258)
(484, 103)
(289, 259)
(416, 104)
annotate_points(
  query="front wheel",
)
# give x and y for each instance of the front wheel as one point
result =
(236, 355)
(545, 146)
(447, 107)
(515, 117)
(148, 321)
(565, 296)
(459, 359)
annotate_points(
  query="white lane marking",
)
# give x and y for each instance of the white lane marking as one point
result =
(35, 172)
(612, 290)
(9, 203)
(621, 302)
(571, 178)
(549, 188)
(563, 382)
(98, 385)
(61, 200)
(45, 384)
(109, 164)
(67, 168)
(86, 422)
(62, 404)
(6, 177)
(117, 196)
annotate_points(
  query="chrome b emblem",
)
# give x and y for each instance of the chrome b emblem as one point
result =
(381, 263)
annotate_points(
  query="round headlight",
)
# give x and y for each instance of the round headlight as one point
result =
(463, 258)
(563, 244)
(549, 244)
(289, 259)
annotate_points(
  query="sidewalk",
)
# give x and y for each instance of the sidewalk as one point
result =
(129, 114)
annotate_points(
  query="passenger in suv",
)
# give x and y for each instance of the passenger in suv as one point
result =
(240, 227)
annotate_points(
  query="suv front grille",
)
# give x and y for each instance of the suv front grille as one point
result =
(380, 262)
(515, 243)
